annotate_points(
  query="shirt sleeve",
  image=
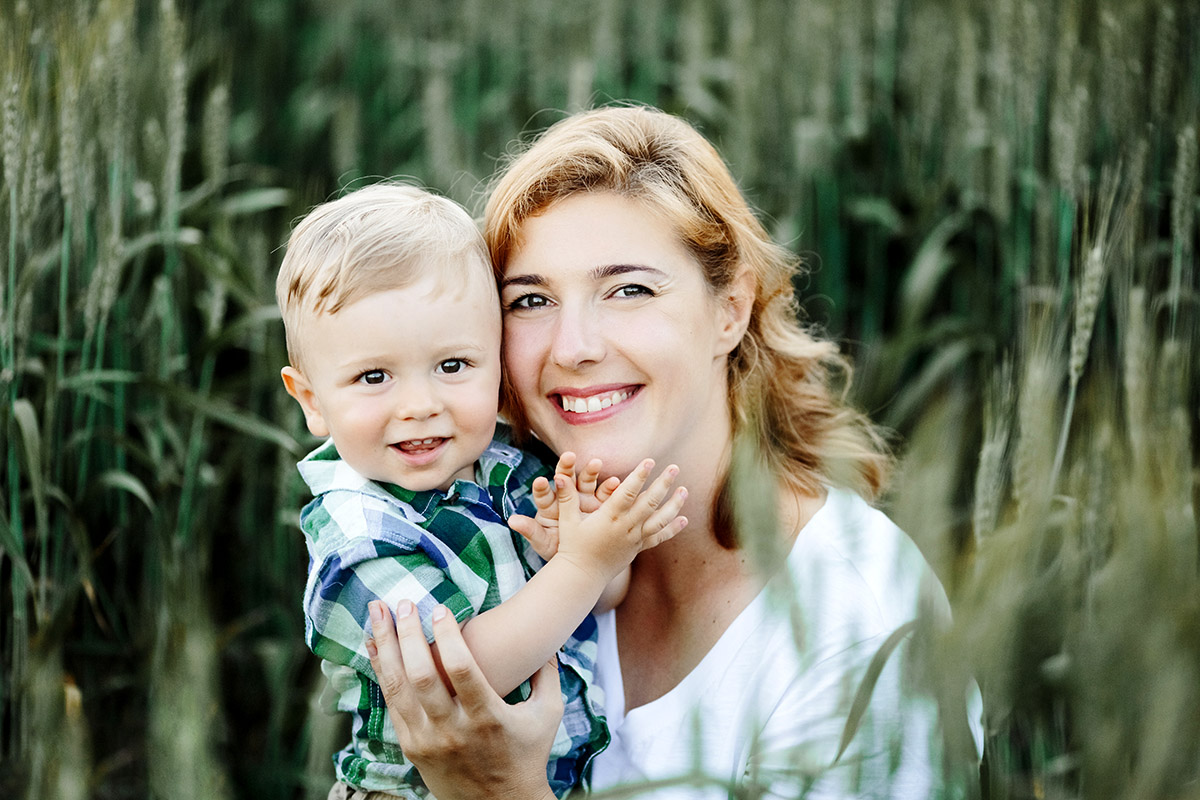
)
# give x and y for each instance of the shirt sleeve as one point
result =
(360, 552)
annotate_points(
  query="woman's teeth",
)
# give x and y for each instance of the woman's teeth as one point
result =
(582, 405)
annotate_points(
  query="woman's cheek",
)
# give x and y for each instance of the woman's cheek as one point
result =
(522, 365)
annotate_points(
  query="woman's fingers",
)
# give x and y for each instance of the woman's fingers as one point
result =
(420, 668)
(545, 703)
(384, 650)
(474, 692)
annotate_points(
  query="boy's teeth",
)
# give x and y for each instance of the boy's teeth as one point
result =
(582, 405)
(414, 443)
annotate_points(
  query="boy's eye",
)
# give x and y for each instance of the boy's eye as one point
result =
(373, 377)
(531, 300)
(452, 366)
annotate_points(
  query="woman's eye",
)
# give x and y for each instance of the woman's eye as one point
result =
(529, 301)
(633, 290)
(373, 377)
(452, 366)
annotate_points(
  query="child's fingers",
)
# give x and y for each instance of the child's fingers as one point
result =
(627, 493)
(606, 489)
(566, 466)
(589, 476)
(544, 498)
(568, 499)
(668, 531)
(543, 543)
(526, 526)
(661, 511)
(656, 493)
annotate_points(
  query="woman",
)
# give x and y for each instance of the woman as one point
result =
(647, 313)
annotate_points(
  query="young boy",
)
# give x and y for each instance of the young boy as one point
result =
(393, 332)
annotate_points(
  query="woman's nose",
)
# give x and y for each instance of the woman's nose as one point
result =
(577, 339)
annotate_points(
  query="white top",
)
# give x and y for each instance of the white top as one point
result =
(770, 700)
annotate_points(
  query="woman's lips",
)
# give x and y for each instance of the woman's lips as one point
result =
(578, 406)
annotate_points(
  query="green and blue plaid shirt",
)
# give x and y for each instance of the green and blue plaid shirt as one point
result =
(369, 540)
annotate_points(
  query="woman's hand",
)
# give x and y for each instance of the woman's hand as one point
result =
(473, 744)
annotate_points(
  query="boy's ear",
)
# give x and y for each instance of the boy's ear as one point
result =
(299, 387)
(737, 300)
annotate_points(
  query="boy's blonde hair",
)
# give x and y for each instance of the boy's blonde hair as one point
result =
(378, 238)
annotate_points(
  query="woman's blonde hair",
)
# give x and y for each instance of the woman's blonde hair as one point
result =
(780, 377)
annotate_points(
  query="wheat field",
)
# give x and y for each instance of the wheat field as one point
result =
(996, 202)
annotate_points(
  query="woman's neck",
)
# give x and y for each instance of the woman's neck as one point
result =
(684, 594)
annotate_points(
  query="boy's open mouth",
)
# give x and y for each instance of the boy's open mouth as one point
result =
(420, 445)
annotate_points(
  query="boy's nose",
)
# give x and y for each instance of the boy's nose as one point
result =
(419, 403)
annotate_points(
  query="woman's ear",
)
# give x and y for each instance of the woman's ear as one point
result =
(737, 301)
(299, 387)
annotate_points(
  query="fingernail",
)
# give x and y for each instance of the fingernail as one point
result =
(682, 493)
(438, 612)
(672, 471)
(372, 650)
(376, 611)
(404, 608)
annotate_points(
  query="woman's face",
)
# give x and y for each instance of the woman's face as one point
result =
(614, 344)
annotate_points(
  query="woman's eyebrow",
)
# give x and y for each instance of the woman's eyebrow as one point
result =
(596, 273)
(612, 270)
(523, 280)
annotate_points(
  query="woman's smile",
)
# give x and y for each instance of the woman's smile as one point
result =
(582, 406)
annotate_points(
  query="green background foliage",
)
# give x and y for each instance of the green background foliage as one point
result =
(996, 202)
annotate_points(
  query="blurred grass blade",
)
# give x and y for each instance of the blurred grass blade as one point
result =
(26, 419)
(929, 268)
(862, 698)
(255, 201)
(229, 415)
(125, 482)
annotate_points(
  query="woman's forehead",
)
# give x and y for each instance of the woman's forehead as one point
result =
(592, 231)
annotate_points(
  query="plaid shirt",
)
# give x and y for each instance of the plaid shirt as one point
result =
(369, 540)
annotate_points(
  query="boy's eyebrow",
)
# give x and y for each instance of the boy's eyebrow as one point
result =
(596, 273)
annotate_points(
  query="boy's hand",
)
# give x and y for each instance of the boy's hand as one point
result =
(628, 521)
(541, 530)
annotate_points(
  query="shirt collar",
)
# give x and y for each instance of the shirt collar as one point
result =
(324, 470)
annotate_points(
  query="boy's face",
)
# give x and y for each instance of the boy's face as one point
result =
(405, 381)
